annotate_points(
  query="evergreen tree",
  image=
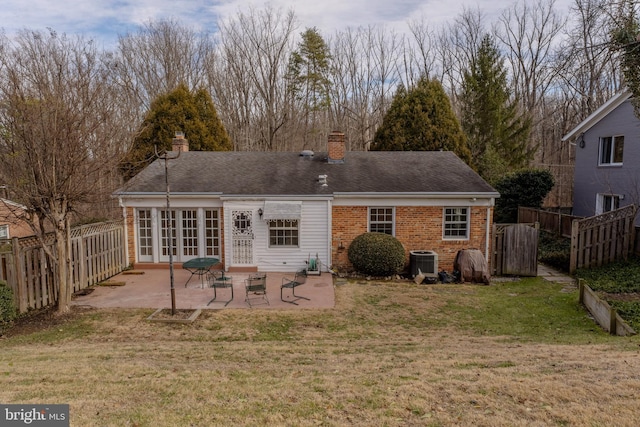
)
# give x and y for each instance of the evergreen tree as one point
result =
(308, 77)
(421, 119)
(309, 70)
(625, 39)
(496, 131)
(527, 187)
(180, 110)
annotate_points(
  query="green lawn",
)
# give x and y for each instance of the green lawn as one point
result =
(514, 353)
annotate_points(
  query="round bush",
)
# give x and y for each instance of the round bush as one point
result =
(377, 254)
(7, 306)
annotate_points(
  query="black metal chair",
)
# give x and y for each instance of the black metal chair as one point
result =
(256, 289)
(299, 279)
(218, 280)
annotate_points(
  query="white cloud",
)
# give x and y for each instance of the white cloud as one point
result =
(106, 19)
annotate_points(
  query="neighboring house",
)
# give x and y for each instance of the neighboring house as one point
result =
(10, 223)
(607, 161)
(272, 211)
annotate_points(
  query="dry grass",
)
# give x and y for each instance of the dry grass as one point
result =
(387, 355)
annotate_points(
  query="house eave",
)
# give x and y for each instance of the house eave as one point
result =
(153, 195)
(431, 195)
(606, 108)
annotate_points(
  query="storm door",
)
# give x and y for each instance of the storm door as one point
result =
(242, 237)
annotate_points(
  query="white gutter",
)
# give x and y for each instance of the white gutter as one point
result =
(439, 195)
(329, 234)
(488, 237)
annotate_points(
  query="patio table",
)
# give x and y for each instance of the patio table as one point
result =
(199, 266)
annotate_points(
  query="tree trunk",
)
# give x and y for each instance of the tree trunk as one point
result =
(64, 293)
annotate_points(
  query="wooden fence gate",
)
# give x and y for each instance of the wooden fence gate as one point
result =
(515, 250)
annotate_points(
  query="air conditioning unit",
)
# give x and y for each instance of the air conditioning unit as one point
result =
(423, 261)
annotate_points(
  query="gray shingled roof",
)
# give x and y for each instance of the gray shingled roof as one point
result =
(286, 173)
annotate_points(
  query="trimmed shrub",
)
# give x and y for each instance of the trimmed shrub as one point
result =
(524, 188)
(7, 306)
(377, 254)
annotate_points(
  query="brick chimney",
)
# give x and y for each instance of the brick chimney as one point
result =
(336, 147)
(180, 143)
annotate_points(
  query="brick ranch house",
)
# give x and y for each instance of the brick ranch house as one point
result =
(272, 211)
(11, 224)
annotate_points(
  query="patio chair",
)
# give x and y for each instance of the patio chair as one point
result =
(256, 289)
(218, 280)
(299, 279)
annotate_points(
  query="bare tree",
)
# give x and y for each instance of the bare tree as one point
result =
(530, 31)
(418, 53)
(60, 117)
(253, 58)
(364, 72)
(591, 72)
(158, 57)
(456, 48)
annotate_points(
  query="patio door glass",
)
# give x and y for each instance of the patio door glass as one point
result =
(168, 222)
(242, 237)
(189, 233)
(145, 239)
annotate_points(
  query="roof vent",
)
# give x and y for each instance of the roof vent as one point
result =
(307, 154)
(322, 179)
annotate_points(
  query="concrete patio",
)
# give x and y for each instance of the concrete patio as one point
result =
(152, 289)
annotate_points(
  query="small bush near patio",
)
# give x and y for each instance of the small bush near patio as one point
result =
(7, 306)
(377, 254)
(618, 283)
(554, 250)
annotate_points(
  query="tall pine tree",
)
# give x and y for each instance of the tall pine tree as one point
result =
(421, 119)
(496, 130)
(308, 76)
(179, 110)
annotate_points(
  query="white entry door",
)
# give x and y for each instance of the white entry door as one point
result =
(242, 237)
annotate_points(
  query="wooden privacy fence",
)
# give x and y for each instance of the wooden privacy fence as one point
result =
(602, 239)
(97, 252)
(602, 312)
(553, 222)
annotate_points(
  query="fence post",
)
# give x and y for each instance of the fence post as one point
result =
(612, 321)
(581, 291)
(573, 259)
(21, 286)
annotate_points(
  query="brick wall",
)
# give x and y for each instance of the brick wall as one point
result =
(336, 146)
(131, 241)
(417, 228)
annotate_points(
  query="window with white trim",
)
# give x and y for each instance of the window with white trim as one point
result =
(456, 223)
(606, 203)
(284, 233)
(381, 220)
(611, 150)
(4, 232)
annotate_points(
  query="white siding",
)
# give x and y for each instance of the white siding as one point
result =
(314, 239)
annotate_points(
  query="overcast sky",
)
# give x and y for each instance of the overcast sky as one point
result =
(103, 20)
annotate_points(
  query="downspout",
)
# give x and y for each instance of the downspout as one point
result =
(488, 236)
(329, 235)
